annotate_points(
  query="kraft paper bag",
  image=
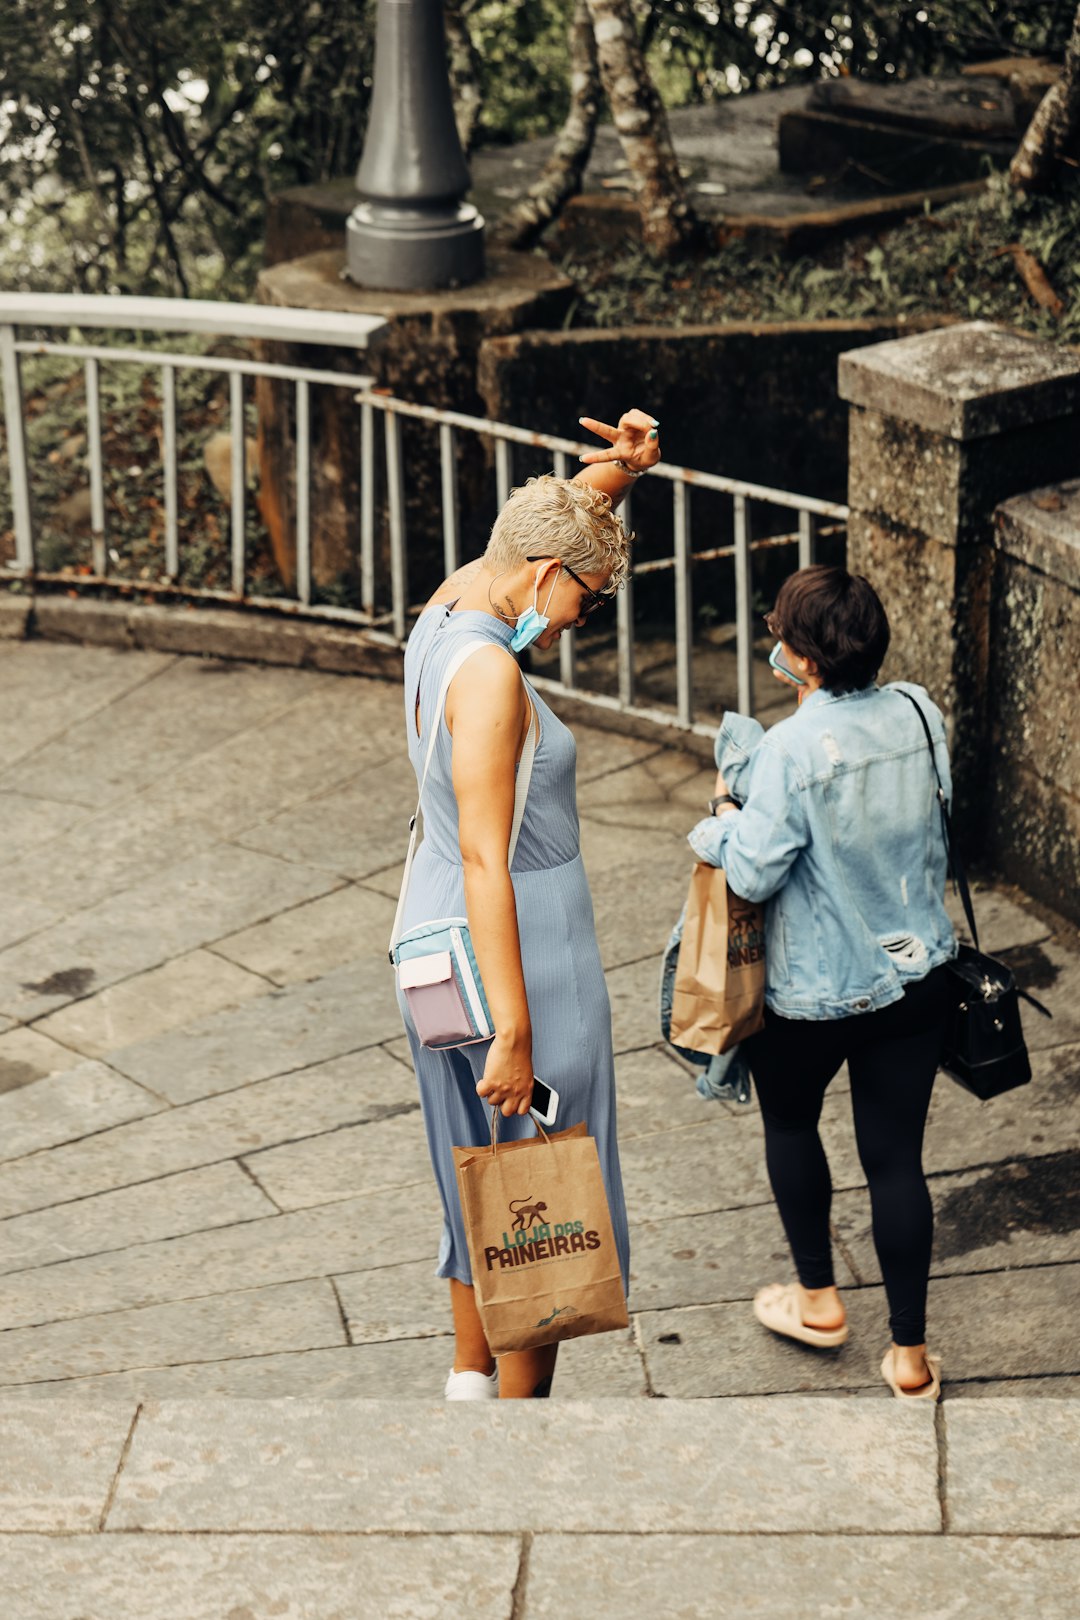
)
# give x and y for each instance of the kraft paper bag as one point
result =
(719, 995)
(544, 1262)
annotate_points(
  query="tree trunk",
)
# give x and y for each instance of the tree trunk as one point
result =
(1056, 123)
(668, 223)
(561, 176)
(464, 74)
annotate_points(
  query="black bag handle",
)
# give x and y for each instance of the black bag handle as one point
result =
(955, 864)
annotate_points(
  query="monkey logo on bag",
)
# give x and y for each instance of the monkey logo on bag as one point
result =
(520, 1207)
(533, 1238)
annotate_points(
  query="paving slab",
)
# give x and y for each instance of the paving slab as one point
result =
(257, 1321)
(656, 1092)
(1013, 1467)
(183, 990)
(27, 821)
(1011, 1324)
(722, 1350)
(601, 752)
(395, 1302)
(182, 907)
(634, 992)
(402, 1224)
(56, 1467)
(1049, 970)
(344, 1091)
(1011, 1215)
(1055, 1389)
(1002, 920)
(705, 1259)
(293, 1028)
(1033, 1120)
(312, 940)
(48, 688)
(192, 1201)
(27, 1055)
(189, 708)
(307, 748)
(695, 1170)
(624, 1466)
(356, 828)
(634, 917)
(345, 1163)
(778, 1577)
(667, 791)
(255, 1577)
(60, 1108)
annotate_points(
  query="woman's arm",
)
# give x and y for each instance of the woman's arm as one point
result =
(488, 714)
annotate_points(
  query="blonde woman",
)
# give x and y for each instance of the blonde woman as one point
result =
(557, 553)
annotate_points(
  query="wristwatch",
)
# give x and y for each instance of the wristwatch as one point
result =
(722, 798)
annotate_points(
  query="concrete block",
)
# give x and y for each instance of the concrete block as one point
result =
(656, 1093)
(14, 616)
(637, 1578)
(314, 939)
(634, 991)
(1033, 1313)
(77, 1102)
(627, 914)
(395, 1302)
(292, 1028)
(193, 1201)
(185, 906)
(402, 1224)
(346, 1163)
(1013, 1467)
(365, 1085)
(183, 990)
(56, 1467)
(1001, 917)
(292, 1577)
(967, 381)
(640, 1466)
(1040, 528)
(695, 1170)
(253, 1322)
(87, 621)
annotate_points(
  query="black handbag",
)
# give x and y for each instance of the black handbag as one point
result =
(984, 1048)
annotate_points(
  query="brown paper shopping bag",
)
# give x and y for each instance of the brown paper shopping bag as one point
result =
(542, 1248)
(719, 995)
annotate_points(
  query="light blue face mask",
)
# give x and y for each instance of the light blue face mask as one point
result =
(532, 624)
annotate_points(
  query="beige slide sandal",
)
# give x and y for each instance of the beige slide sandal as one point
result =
(927, 1392)
(777, 1308)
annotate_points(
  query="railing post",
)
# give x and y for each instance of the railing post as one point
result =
(744, 650)
(168, 456)
(367, 508)
(624, 622)
(807, 538)
(18, 470)
(450, 514)
(684, 609)
(395, 490)
(303, 491)
(237, 481)
(98, 552)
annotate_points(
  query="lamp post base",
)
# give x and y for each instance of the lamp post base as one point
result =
(406, 250)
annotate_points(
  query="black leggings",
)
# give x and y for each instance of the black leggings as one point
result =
(892, 1057)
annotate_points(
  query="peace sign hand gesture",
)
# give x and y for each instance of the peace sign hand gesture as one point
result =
(635, 442)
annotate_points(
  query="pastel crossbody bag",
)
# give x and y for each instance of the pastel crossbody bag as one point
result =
(434, 961)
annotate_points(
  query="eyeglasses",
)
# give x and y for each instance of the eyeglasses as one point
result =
(593, 599)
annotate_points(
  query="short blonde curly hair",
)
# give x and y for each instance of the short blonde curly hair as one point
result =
(563, 518)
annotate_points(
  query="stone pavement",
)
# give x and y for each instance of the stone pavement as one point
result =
(213, 1183)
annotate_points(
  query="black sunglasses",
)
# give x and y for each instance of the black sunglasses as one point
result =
(593, 599)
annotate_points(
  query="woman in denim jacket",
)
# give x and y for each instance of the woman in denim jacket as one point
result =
(831, 817)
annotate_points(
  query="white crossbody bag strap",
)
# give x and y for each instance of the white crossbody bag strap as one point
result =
(521, 784)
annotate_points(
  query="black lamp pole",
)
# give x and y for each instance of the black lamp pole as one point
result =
(411, 230)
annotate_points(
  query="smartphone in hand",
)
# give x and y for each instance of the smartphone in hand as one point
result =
(545, 1102)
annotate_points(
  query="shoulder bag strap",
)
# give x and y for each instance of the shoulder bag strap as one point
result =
(955, 864)
(521, 783)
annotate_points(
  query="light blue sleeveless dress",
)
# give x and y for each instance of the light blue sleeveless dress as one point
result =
(564, 981)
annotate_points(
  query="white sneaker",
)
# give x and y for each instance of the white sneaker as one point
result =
(472, 1386)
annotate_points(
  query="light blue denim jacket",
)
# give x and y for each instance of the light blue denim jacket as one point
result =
(840, 832)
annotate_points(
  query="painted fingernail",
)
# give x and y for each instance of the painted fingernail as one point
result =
(654, 422)
(653, 434)
(582, 458)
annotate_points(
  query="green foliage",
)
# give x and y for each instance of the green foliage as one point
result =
(140, 142)
(953, 262)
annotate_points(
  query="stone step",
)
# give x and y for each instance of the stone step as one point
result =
(782, 1507)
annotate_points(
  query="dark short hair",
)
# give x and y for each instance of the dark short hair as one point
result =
(838, 620)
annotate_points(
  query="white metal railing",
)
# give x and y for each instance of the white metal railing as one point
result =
(188, 316)
(812, 517)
